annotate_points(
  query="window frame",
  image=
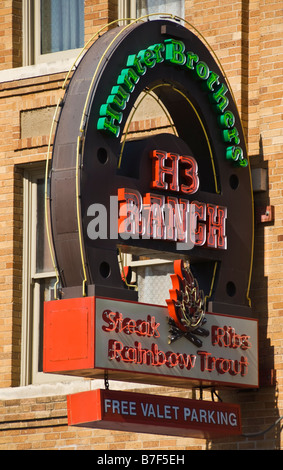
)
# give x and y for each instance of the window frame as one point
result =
(32, 38)
(31, 281)
(131, 7)
(127, 9)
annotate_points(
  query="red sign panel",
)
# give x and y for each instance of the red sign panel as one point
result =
(132, 341)
(138, 412)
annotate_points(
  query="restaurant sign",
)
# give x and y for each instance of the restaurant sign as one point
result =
(183, 195)
(140, 343)
(138, 412)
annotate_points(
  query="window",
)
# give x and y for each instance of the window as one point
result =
(137, 8)
(53, 29)
(38, 280)
(61, 25)
(38, 277)
(146, 7)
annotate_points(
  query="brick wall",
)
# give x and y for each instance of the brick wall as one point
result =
(247, 36)
(41, 424)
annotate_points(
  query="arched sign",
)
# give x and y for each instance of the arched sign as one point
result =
(186, 195)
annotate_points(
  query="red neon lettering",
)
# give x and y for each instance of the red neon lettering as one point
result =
(170, 218)
(182, 360)
(228, 338)
(222, 365)
(197, 229)
(169, 167)
(180, 210)
(154, 225)
(116, 322)
(190, 174)
(209, 363)
(244, 365)
(160, 170)
(169, 223)
(150, 357)
(130, 204)
(246, 344)
(220, 337)
(235, 367)
(160, 356)
(216, 237)
(109, 318)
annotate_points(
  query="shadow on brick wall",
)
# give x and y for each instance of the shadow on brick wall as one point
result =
(259, 407)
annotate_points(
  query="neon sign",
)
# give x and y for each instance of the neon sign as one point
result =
(131, 341)
(173, 52)
(153, 356)
(167, 188)
(171, 218)
(169, 193)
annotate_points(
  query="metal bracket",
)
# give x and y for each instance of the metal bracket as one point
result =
(264, 214)
(106, 382)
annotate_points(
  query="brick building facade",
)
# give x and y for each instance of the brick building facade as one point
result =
(247, 37)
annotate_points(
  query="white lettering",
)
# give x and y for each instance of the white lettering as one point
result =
(210, 416)
(159, 411)
(123, 407)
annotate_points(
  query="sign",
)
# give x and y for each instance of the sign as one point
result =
(184, 195)
(132, 342)
(159, 217)
(137, 412)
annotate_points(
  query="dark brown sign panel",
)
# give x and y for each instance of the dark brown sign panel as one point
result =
(138, 412)
(203, 169)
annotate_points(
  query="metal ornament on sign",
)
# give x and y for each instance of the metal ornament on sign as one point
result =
(186, 306)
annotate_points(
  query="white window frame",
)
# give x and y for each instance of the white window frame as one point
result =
(128, 8)
(31, 280)
(30, 340)
(32, 39)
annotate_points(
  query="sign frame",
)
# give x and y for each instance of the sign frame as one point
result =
(82, 151)
(76, 342)
(153, 414)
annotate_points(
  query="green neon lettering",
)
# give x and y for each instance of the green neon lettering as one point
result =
(236, 154)
(212, 79)
(128, 79)
(202, 70)
(192, 59)
(230, 135)
(226, 120)
(134, 61)
(118, 98)
(147, 57)
(174, 51)
(105, 124)
(243, 162)
(106, 121)
(158, 49)
(220, 99)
